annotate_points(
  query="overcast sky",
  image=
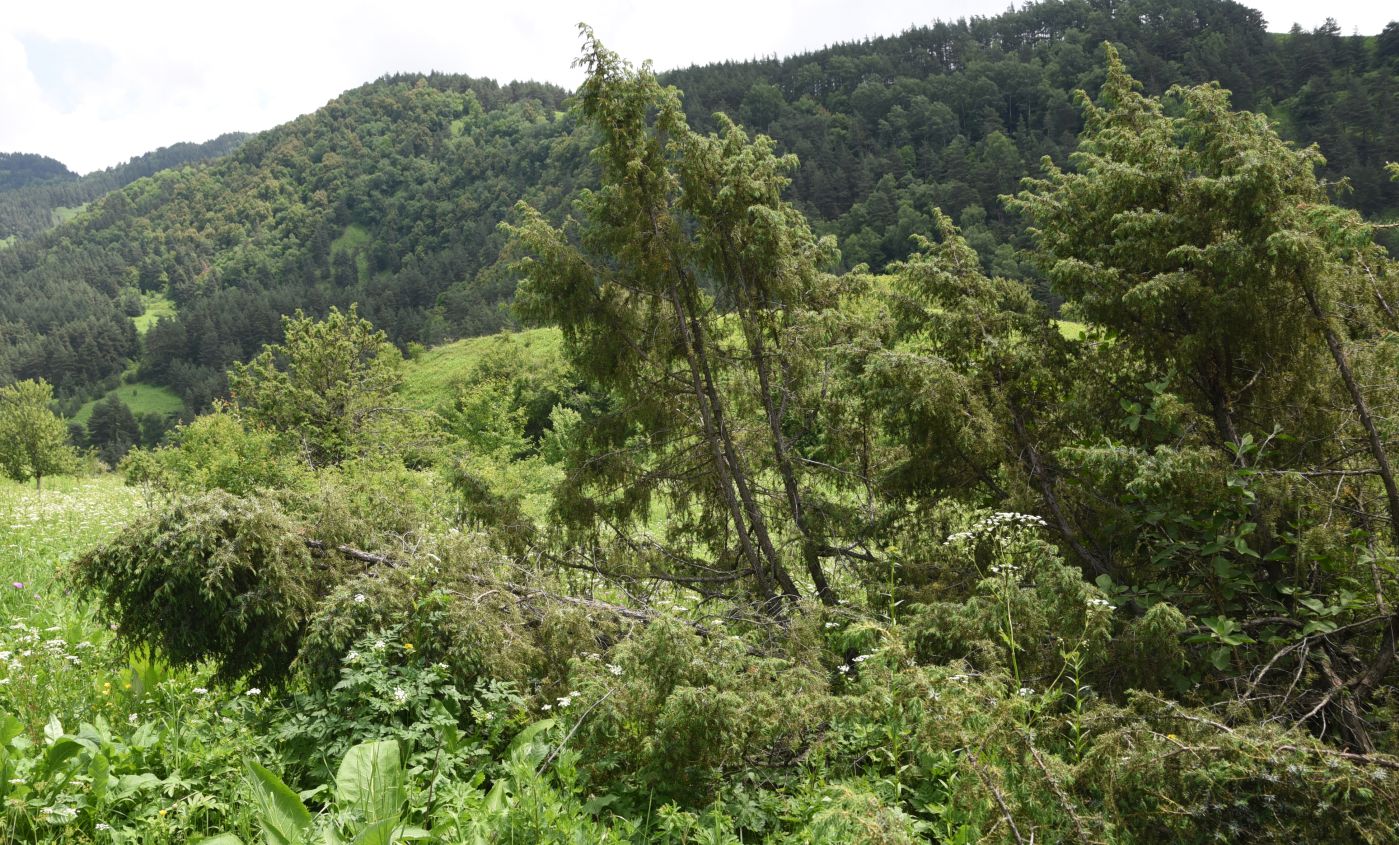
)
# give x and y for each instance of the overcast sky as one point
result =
(95, 83)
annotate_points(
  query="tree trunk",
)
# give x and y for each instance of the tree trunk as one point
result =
(721, 465)
(1366, 681)
(811, 546)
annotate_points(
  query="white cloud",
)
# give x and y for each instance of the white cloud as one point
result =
(181, 71)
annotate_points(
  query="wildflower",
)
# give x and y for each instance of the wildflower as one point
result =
(379, 645)
(200, 691)
(1026, 691)
(408, 647)
(132, 718)
(103, 826)
(546, 707)
(614, 669)
(18, 585)
(861, 658)
(253, 691)
(843, 668)
(351, 656)
(399, 695)
(359, 598)
(832, 624)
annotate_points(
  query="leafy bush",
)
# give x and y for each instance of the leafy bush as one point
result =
(671, 715)
(214, 577)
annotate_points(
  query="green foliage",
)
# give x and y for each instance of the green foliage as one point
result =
(210, 577)
(216, 451)
(140, 397)
(670, 715)
(388, 689)
(112, 429)
(324, 387)
(33, 440)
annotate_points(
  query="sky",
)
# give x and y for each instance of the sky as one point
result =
(94, 82)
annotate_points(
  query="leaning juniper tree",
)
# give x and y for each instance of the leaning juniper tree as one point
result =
(1204, 246)
(678, 290)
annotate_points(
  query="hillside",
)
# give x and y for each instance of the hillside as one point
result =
(18, 170)
(51, 194)
(734, 545)
(391, 194)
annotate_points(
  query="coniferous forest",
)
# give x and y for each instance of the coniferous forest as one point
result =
(980, 434)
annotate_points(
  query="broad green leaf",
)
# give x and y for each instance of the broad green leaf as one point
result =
(10, 727)
(60, 752)
(525, 739)
(221, 839)
(53, 731)
(98, 771)
(379, 833)
(370, 782)
(285, 820)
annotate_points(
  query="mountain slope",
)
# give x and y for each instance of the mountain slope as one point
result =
(390, 195)
(31, 205)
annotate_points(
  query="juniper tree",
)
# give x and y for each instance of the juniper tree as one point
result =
(675, 292)
(1200, 241)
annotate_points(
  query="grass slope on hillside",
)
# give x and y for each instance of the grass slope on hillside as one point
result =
(430, 379)
(141, 398)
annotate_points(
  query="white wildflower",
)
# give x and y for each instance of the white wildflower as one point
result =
(614, 669)
(359, 598)
(399, 695)
(253, 691)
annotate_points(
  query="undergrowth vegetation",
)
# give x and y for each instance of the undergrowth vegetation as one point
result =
(749, 551)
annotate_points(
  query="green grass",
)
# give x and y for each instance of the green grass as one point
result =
(352, 240)
(63, 214)
(157, 305)
(7, 241)
(430, 382)
(41, 531)
(1071, 329)
(141, 398)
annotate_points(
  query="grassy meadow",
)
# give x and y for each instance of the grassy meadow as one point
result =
(141, 398)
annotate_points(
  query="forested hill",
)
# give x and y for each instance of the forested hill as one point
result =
(20, 169)
(390, 195)
(36, 192)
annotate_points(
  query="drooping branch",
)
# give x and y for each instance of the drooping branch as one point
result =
(519, 590)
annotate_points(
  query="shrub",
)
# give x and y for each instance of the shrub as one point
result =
(213, 577)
